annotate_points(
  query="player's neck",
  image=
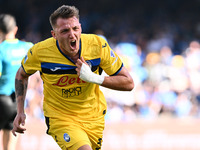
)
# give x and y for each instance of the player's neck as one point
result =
(75, 58)
(10, 36)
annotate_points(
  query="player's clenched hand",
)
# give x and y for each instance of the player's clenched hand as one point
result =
(86, 74)
(79, 65)
(18, 123)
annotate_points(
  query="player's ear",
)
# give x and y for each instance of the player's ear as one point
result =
(53, 34)
(15, 30)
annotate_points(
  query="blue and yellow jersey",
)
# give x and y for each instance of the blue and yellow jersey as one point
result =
(11, 54)
(65, 94)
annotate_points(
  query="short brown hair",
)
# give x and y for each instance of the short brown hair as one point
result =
(7, 23)
(64, 11)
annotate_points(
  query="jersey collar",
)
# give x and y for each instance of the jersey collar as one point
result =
(12, 40)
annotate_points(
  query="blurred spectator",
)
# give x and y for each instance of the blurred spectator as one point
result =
(166, 55)
(34, 98)
(12, 50)
(114, 113)
(183, 105)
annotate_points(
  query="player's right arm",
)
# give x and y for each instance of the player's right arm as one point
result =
(21, 82)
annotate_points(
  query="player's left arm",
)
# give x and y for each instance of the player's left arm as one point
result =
(122, 81)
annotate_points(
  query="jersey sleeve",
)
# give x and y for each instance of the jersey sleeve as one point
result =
(110, 61)
(30, 63)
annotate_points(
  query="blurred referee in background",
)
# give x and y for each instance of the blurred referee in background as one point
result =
(12, 51)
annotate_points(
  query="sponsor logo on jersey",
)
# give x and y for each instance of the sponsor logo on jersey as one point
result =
(20, 52)
(65, 80)
(71, 92)
(104, 45)
(16, 62)
(56, 68)
(66, 137)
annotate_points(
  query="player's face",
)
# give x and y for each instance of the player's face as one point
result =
(68, 33)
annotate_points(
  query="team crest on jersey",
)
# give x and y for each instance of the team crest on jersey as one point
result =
(89, 64)
(112, 53)
(66, 137)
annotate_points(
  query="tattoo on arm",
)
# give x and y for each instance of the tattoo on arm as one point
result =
(20, 87)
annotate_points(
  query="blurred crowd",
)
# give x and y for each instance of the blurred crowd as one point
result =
(165, 84)
(150, 24)
(158, 42)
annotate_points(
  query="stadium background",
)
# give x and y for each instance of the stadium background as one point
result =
(159, 44)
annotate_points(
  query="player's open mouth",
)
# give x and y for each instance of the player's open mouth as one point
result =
(73, 44)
